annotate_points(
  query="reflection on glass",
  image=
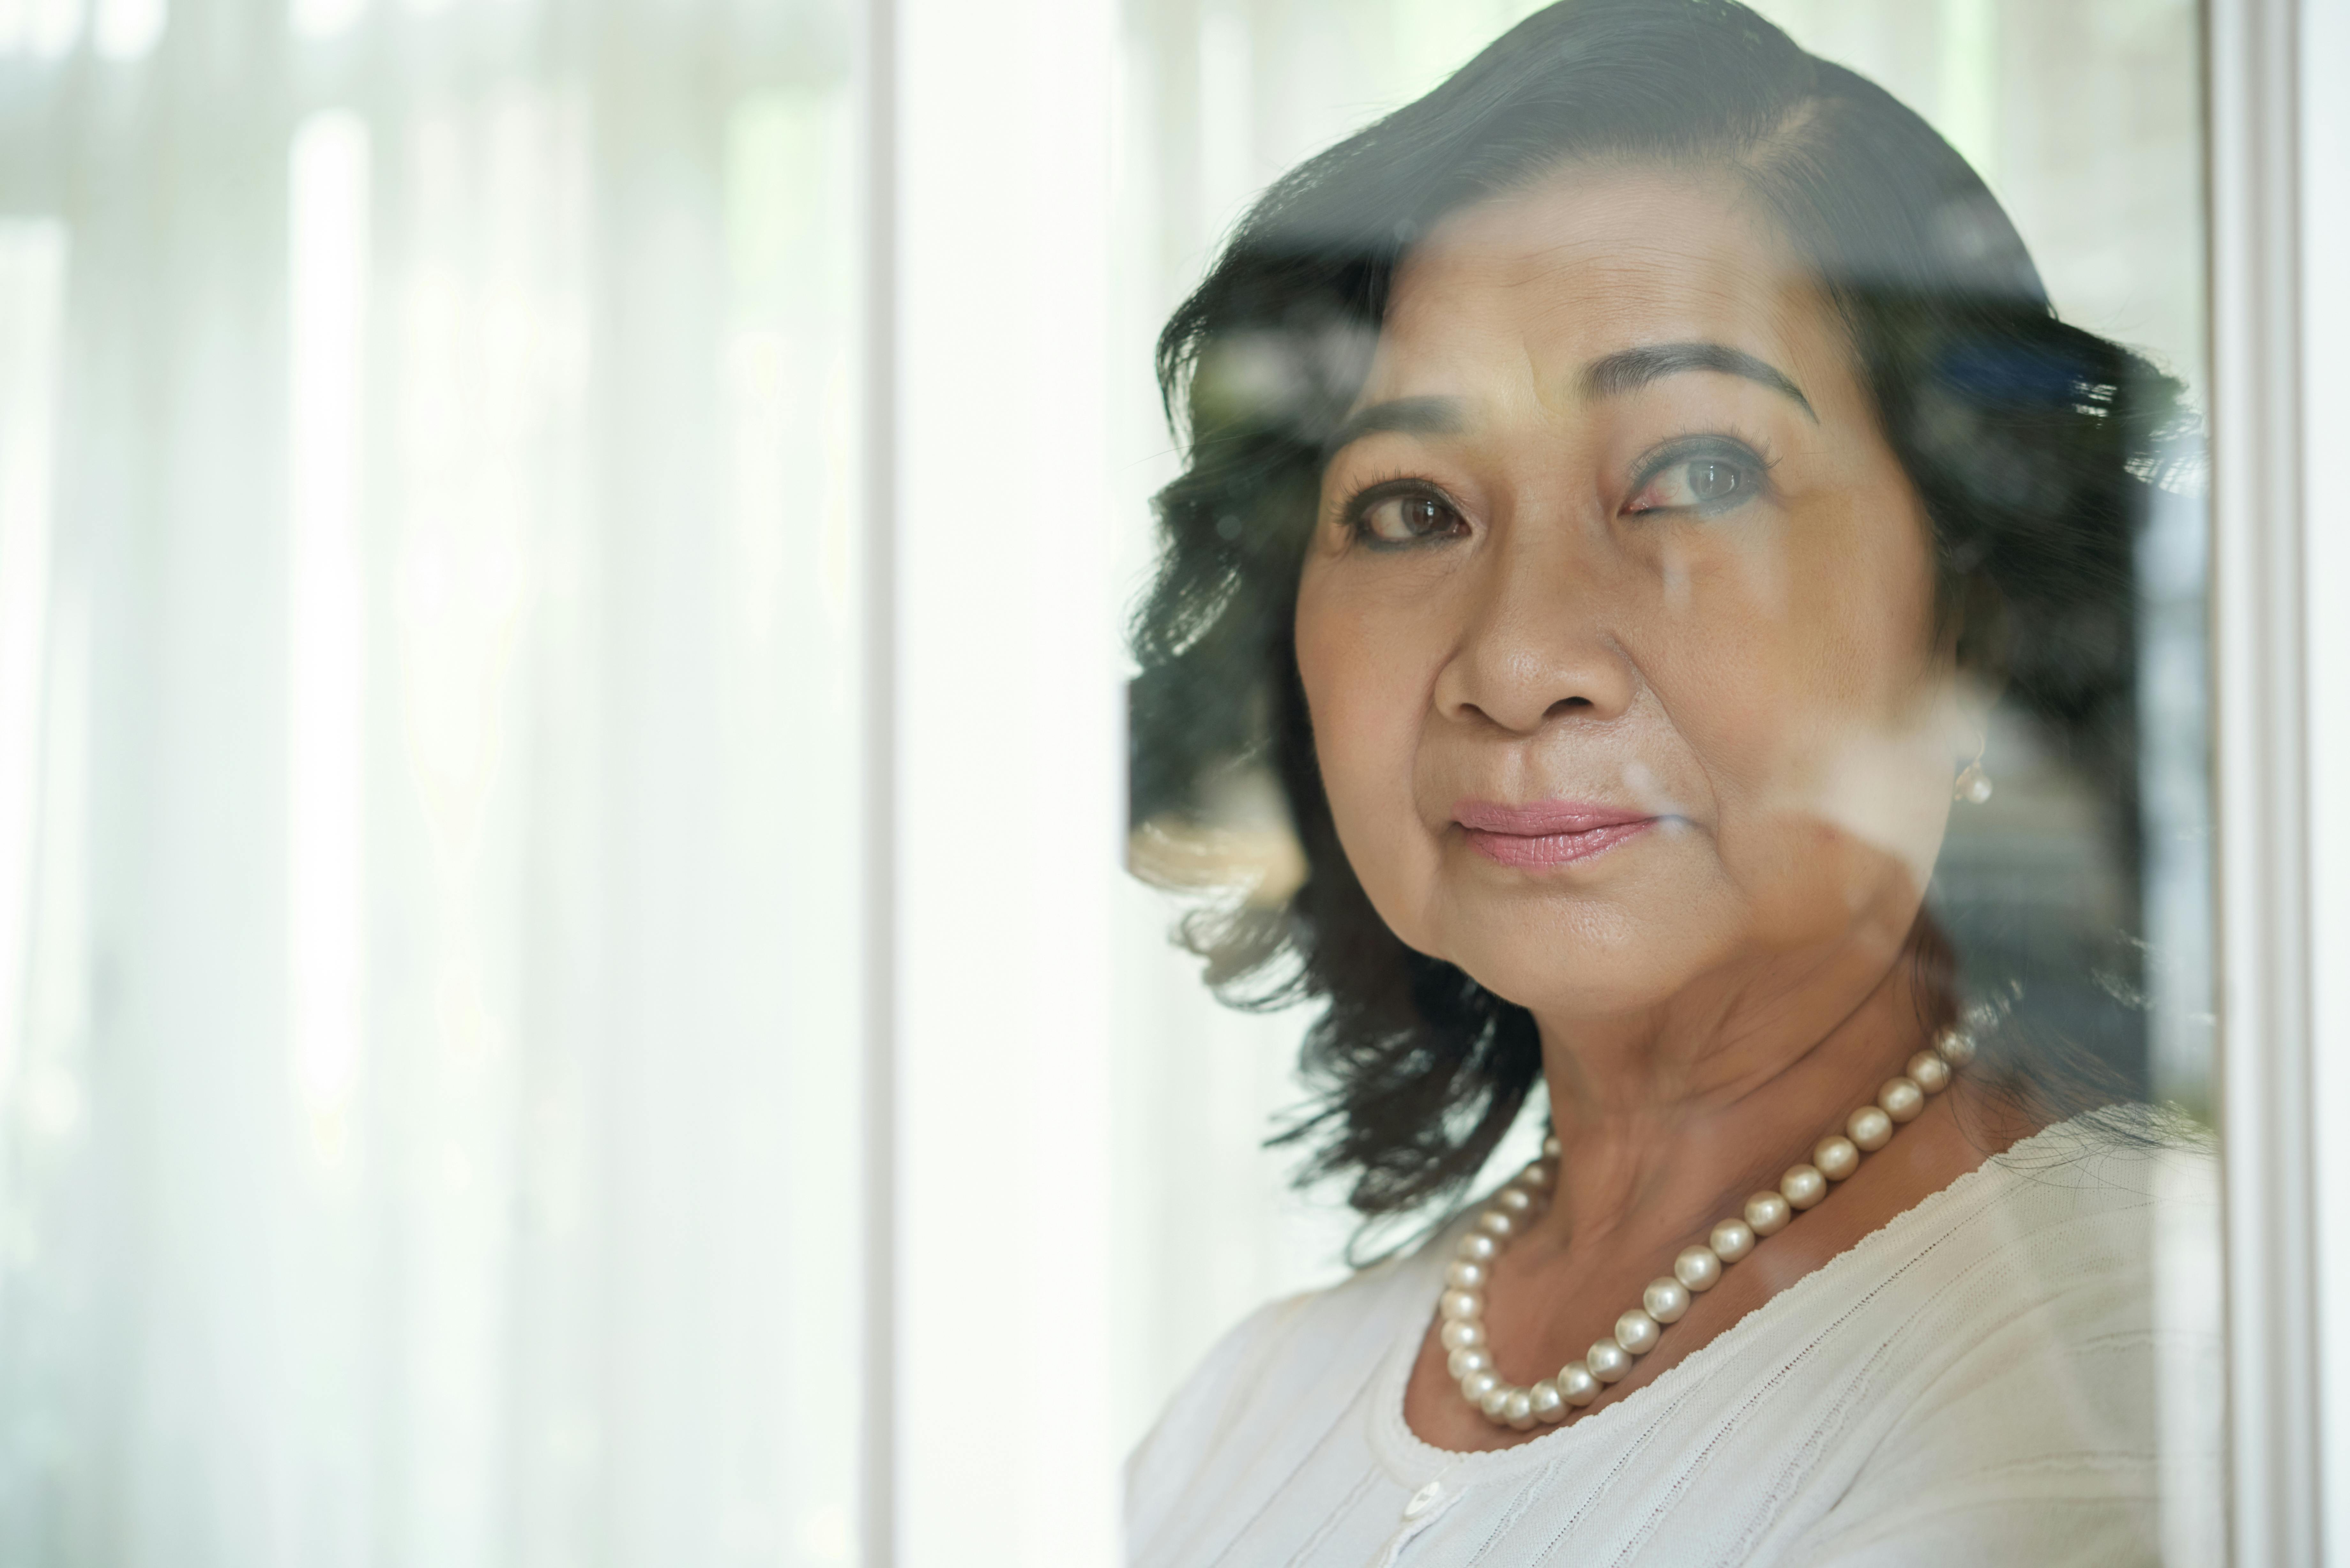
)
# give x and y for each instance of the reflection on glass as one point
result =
(43, 29)
(1644, 527)
(325, 18)
(326, 627)
(129, 29)
(42, 678)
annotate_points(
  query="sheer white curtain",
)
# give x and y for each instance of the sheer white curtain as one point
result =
(429, 796)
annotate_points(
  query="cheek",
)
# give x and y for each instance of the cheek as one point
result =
(1366, 692)
(1807, 879)
(1797, 666)
(1782, 651)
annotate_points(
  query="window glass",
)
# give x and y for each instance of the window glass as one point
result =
(673, 737)
(2077, 895)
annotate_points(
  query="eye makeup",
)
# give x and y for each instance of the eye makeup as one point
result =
(1698, 476)
(1401, 514)
(1703, 474)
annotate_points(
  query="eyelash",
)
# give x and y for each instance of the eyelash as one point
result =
(1355, 515)
(1746, 453)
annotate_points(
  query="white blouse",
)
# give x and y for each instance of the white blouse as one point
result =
(1981, 1381)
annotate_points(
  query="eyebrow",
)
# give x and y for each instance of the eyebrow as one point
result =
(1633, 368)
(1610, 376)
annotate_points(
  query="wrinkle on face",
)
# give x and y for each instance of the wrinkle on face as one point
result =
(1772, 685)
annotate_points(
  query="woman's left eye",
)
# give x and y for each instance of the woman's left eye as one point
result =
(1709, 482)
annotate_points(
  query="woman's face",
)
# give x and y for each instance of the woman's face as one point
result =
(1616, 626)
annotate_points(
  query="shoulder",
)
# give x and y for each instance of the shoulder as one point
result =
(2059, 1245)
(2077, 1210)
(2073, 1230)
(2129, 1152)
(2061, 1307)
(1277, 1380)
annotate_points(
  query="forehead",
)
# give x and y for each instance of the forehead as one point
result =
(1587, 263)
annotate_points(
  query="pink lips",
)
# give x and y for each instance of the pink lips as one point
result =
(1547, 832)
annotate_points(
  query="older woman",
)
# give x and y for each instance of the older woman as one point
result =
(1620, 484)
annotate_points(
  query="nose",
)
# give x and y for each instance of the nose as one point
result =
(1536, 644)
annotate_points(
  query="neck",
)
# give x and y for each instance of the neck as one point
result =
(1670, 1119)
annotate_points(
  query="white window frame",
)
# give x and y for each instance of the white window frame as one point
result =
(2278, 185)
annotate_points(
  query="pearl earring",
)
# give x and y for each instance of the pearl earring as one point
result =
(1974, 785)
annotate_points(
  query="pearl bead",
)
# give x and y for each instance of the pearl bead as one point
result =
(1957, 1046)
(1698, 1268)
(1607, 1360)
(1636, 1332)
(1522, 1198)
(1666, 1300)
(1929, 1072)
(1462, 1334)
(1869, 1128)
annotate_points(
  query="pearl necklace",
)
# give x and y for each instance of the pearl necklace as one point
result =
(1696, 1269)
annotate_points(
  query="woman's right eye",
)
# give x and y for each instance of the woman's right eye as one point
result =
(1407, 517)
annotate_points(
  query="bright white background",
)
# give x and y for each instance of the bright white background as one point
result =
(434, 707)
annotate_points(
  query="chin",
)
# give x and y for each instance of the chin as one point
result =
(1585, 952)
(1578, 974)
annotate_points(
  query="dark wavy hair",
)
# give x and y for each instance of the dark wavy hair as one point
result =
(2033, 444)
